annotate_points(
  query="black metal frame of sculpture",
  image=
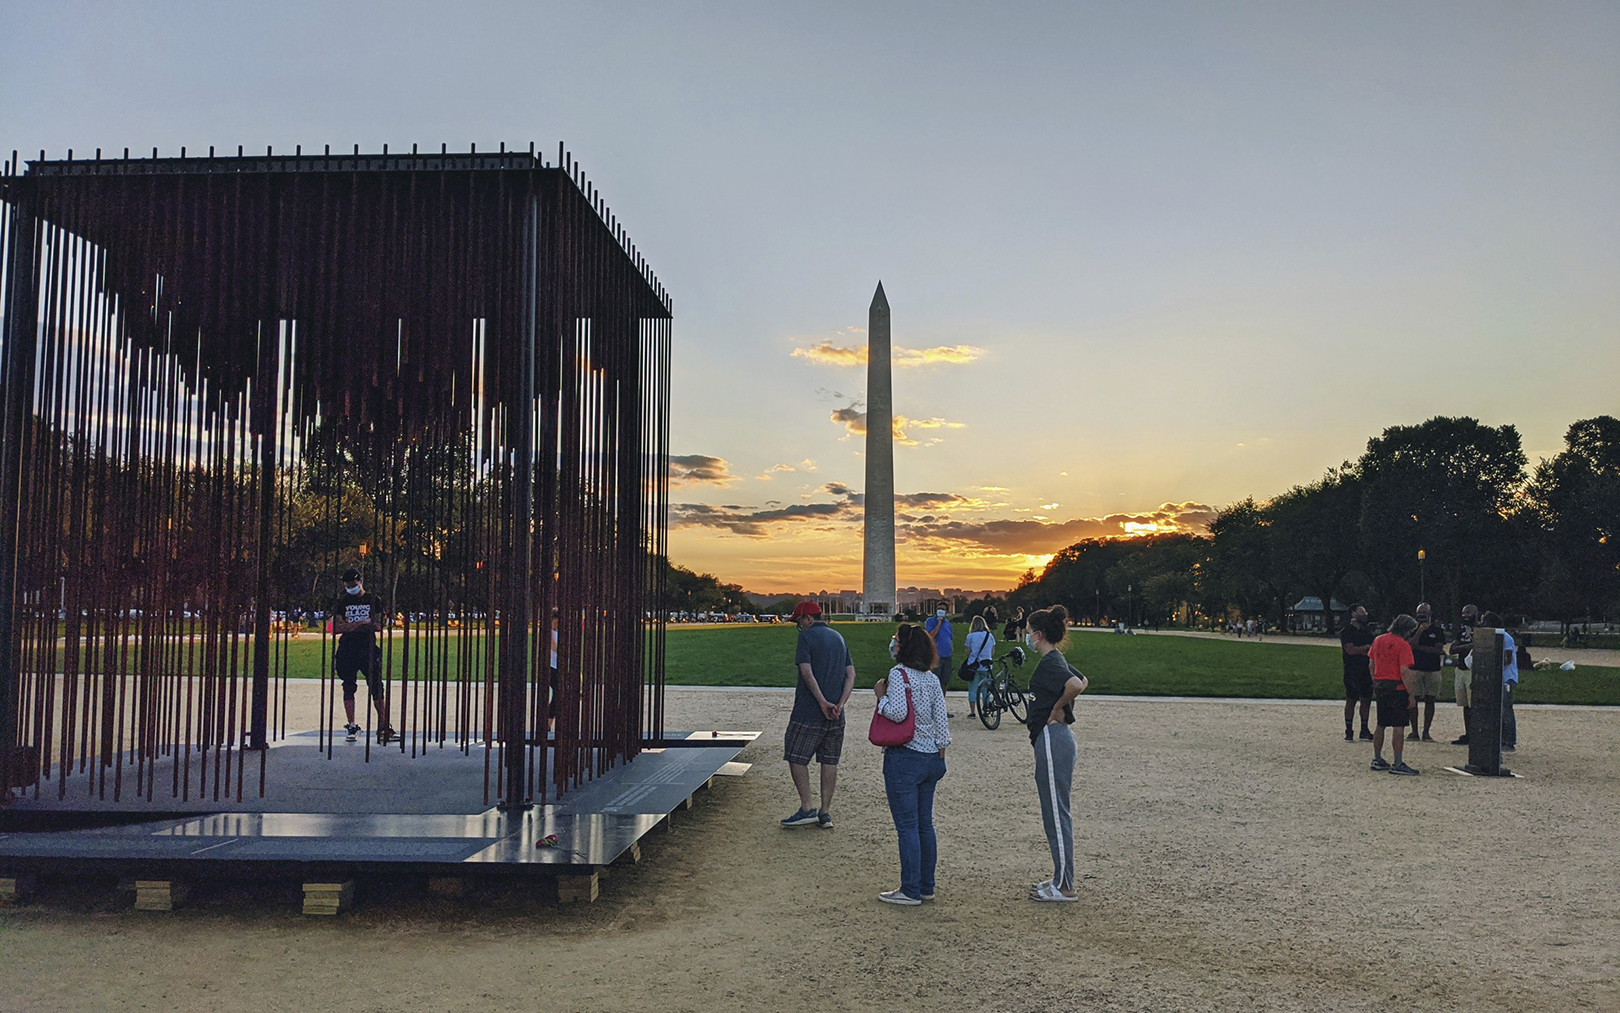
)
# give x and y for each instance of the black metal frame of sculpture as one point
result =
(220, 374)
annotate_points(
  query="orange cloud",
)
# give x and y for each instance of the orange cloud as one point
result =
(700, 469)
(829, 354)
(855, 423)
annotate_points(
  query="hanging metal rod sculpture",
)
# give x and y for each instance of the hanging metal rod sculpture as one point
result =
(227, 379)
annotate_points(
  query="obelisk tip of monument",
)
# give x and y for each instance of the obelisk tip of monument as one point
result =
(879, 299)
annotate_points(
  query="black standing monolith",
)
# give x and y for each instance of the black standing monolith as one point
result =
(1485, 712)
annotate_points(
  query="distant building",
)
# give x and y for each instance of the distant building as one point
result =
(1306, 615)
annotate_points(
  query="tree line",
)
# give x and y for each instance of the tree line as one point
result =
(1542, 542)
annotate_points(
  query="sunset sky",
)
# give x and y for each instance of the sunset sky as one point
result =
(1143, 259)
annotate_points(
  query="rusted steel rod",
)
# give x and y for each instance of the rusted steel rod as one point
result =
(227, 379)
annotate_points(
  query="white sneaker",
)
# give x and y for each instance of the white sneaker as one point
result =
(896, 897)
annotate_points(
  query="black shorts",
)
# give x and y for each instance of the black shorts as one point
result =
(1393, 711)
(1358, 687)
(349, 665)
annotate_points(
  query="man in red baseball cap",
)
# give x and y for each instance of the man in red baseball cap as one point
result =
(816, 726)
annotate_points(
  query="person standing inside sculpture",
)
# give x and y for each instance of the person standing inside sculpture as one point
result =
(1053, 687)
(939, 627)
(1355, 640)
(912, 771)
(816, 726)
(357, 619)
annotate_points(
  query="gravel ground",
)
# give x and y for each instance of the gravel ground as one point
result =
(1233, 855)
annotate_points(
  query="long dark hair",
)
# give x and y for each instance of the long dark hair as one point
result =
(914, 648)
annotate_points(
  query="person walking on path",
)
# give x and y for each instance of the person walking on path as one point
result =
(1391, 656)
(357, 619)
(1355, 640)
(816, 726)
(911, 771)
(939, 628)
(981, 650)
(1462, 646)
(1428, 648)
(1510, 682)
(1053, 687)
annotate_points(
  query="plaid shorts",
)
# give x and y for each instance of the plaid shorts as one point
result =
(817, 737)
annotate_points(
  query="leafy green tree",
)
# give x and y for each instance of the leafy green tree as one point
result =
(1315, 535)
(1576, 500)
(1240, 567)
(1448, 486)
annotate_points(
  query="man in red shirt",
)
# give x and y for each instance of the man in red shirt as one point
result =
(1392, 661)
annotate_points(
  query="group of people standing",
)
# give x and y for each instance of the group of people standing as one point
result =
(1400, 669)
(914, 691)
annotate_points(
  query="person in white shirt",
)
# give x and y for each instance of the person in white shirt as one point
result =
(911, 771)
(1510, 682)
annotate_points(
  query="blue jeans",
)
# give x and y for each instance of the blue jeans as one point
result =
(909, 778)
(980, 683)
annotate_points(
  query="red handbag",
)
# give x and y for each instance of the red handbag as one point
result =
(885, 732)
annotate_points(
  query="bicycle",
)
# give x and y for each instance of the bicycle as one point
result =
(1002, 692)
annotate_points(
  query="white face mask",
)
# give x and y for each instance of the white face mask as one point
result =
(353, 590)
(940, 613)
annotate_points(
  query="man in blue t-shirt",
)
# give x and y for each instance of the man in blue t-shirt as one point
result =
(816, 726)
(940, 629)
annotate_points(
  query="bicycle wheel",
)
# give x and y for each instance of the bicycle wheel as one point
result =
(989, 709)
(1017, 702)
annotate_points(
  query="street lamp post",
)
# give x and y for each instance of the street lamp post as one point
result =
(1423, 584)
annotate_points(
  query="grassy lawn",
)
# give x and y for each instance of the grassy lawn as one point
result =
(1136, 666)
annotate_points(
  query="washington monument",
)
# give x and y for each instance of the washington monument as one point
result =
(878, 584)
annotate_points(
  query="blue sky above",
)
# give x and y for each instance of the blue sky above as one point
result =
(1198, 251)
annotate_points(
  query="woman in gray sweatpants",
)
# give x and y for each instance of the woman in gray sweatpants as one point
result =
(1053, 688)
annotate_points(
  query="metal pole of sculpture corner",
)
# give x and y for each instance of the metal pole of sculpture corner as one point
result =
(878, 583)
(21, 319)
(517, 613)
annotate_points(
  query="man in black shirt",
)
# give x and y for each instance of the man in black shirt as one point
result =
(1355, 640)
(1428, 647)
(357, 619)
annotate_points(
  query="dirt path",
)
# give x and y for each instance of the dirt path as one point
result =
(1234, 857)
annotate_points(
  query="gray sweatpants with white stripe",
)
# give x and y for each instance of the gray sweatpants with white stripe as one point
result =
(1054, 776)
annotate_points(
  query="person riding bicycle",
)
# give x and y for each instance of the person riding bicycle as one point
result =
(981, 650)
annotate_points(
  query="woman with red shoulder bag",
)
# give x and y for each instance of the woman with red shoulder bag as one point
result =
(910, 694)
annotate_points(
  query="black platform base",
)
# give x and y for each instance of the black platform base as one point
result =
(332, 818)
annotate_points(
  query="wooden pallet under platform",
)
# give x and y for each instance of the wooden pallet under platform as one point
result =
(327, 821)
